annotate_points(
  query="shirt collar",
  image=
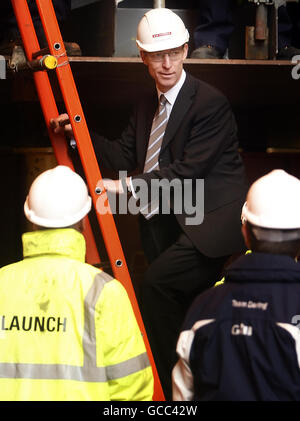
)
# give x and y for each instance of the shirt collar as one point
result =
(172, 93)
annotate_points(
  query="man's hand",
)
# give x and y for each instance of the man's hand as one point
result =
(115, 186)
(61, 124)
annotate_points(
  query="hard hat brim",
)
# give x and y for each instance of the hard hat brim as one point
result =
(57, 223)
(167, 44)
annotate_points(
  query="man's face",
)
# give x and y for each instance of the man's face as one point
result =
(165, 66)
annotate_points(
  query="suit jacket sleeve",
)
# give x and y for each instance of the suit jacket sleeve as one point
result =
(119, 154)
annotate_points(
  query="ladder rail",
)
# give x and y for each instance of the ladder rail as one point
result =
(49, 109)
(83, 140)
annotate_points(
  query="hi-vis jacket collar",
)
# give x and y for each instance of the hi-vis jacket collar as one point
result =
(63, 241)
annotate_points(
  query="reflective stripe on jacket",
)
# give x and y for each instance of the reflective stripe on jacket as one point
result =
(67, 329)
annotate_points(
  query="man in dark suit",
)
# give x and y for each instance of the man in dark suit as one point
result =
(199, 142)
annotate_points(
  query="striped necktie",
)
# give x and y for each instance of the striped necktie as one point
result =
(156, 136)
(151, 163)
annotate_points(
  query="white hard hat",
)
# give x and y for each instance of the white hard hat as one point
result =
(57, 198)
(273, 201)
(161, 29)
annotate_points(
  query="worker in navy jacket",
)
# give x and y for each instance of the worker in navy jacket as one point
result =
(240, 340)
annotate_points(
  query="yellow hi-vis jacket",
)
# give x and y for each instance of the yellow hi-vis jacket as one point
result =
(67, 329)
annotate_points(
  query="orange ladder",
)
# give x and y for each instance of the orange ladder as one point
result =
(85, 148)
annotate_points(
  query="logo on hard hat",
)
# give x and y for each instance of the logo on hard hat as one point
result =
(163, 34)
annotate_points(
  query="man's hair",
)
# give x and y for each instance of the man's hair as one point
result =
(262, 240)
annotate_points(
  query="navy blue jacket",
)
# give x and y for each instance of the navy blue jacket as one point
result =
(240, 340)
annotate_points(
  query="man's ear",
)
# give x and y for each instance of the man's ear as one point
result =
(185, 51)
(143, 57)
(246, 235)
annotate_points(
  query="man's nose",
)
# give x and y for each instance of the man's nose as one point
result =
(166, 60)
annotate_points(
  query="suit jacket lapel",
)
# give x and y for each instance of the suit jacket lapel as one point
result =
(180, 108)
(145, 123)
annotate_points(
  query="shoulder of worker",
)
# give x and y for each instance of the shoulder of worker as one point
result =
(207, 305)
(10, 268)
(83, 270)
(102, 283)
(104, 279)
(96, 272)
